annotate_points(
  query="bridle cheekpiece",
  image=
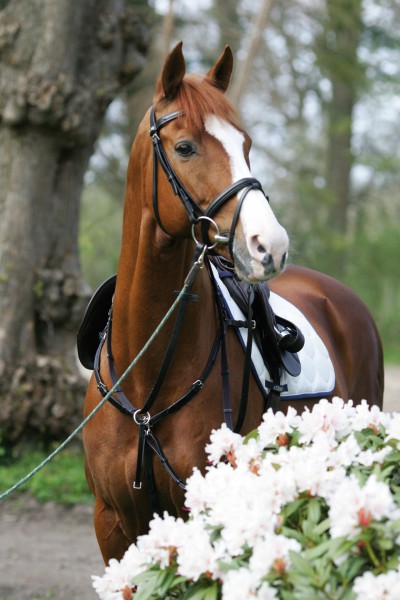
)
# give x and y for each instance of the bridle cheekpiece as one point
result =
(192, 208)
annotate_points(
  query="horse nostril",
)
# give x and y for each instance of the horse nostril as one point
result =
(261, 249)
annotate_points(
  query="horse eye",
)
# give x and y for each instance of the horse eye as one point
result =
(185, 149)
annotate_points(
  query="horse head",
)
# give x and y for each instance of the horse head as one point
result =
(204, 153)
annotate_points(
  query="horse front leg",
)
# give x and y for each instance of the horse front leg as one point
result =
(112, 540)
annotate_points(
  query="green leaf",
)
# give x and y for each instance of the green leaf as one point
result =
(308, 528)
(252, 435)
(286, 595)
(212, 593)
(338, 547)
(352, 567)
(294, 534)
(202, 590)
(166, 581)
(320, 550)
(301, 565)
(148, 584)
(293, 507)
(385, 544)
(367, 439)
(322, 527)
(314, 510)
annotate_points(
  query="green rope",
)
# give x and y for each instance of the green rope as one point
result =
(186, 286)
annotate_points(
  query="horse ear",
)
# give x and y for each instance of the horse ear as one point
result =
(172, 74)
(220, 74)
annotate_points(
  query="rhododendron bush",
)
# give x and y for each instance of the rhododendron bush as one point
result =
(306, 507)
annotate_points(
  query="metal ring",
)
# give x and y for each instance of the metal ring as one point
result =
(141, 419)
(204, 218)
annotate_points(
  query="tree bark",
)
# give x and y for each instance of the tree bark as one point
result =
(61, 64)
(167, 31)
(243, 72)
(340, 62)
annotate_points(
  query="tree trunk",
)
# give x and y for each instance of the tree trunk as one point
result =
(340, 62)
(61, 64)
(226, 16)
(167, 31)
(244, 70)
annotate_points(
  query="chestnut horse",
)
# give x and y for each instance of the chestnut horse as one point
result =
(196, 136)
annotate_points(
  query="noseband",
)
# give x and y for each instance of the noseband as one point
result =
(193, 210)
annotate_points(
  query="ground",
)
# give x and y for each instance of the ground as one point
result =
(49, 552)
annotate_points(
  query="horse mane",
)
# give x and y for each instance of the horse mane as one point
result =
(197, 97)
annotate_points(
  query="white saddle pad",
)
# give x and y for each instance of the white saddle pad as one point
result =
(317, 377)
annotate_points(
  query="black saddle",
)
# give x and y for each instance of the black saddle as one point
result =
(94, 322)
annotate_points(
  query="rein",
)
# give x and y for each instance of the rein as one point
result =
(108, 395)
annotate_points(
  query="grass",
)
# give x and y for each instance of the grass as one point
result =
(392, 355)
(62, 480)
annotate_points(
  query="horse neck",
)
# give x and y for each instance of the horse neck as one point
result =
(149, 273)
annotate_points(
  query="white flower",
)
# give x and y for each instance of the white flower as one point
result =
(195, 497)
(353, 506)
(238, 504)
(385, 586)
(329, 417)
(243, 508)
(119, 575)
(249, 455)
(367, 458)
(393, 429)
(196, 555)
(242, 583)
(160, 544)
(223, 443)
(275, 427)
(348, 453)
(345, 453)
(272, 552)
(365, 416)
(307, 467)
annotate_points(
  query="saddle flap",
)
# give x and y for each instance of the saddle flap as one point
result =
(94, 321)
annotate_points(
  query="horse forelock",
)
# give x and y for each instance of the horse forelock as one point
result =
(197, 97)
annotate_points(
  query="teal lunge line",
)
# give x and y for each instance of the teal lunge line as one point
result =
(187, 285)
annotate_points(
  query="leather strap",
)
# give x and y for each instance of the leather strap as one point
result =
(142, 417)
(193, 209)
(246, 370)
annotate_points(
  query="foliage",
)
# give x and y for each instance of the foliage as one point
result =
(62, 480)
(100, 234)
(304, 508)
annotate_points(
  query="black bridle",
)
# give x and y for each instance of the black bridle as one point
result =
(193, 209)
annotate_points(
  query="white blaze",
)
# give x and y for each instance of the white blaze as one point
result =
(260, 226)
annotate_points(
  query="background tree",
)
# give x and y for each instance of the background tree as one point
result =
(61, 65)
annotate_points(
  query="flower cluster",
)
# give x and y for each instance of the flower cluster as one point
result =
(306, 506)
